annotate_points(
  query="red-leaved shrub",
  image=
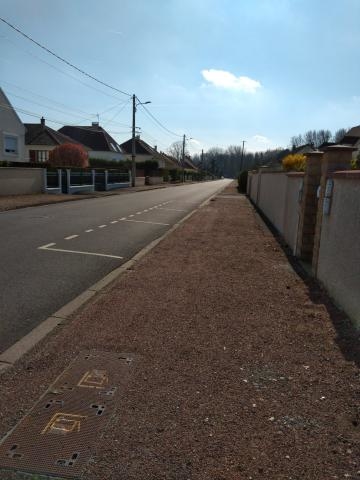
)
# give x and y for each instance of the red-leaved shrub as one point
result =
(69, 155)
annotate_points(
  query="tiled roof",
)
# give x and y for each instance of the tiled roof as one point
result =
(141, 147)
(189, 164)
(351, 137)
(41, 134)
(94, 137)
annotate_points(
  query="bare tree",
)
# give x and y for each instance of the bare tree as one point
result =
(297, 141)
(322, 136)
(175, 150)
(339, 135)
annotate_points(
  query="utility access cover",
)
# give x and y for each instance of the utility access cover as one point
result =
(57, 437)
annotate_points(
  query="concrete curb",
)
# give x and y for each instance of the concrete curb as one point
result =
(62, 316)
(91, 196)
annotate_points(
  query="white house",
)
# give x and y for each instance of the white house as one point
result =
(12, 132)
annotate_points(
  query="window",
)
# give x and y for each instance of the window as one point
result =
(42, 156)
(11, 144)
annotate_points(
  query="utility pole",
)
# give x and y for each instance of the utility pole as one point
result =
(133, 145)
(202, 163)
(183, 157)
(133, 139)
(242, 155)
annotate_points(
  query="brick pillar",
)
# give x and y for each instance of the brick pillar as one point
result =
(336, 157)
(308, 206)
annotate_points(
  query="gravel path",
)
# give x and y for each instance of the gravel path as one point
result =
(244, 370)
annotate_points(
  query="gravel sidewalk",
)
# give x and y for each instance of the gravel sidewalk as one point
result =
(244, 370)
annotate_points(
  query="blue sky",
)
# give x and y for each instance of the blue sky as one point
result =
(220, 71)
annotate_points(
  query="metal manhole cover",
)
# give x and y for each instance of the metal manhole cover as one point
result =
(58, 435)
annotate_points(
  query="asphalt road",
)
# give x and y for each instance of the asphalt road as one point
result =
(50, 254)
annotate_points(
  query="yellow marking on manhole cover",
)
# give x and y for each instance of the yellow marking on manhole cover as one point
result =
(63, 423)
(58, 436)
(94, 379)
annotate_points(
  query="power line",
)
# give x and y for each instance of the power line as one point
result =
(63, 59)
(51, 120)
(81, 117)
(117, 113)
(158, 122)
(74, 109)
(83, 72)
(59, 69)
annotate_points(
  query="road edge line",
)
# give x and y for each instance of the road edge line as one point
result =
(61, 316)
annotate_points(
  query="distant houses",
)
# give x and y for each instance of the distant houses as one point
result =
(145, 152)
(33, 142)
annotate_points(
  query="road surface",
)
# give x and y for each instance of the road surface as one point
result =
(50, 254)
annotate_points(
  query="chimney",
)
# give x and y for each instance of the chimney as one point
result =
(95, 124)
(137, 137)
(42, 121)
(155, 148)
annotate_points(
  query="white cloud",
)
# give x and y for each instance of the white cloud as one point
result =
(259, 143)
(227, 80)
(261, 139)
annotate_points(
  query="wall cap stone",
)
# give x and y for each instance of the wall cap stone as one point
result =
(295, 174)
(27, 169)
(349, 174)
(340, 148)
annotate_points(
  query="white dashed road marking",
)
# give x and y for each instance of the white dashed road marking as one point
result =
(114, 221)
(90, 230)
(70, 237)
(102, 226)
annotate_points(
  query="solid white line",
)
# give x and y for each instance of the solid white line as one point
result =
(172, 209)
(90, 230)
(114, 221)
(102, 226)
(71, 237)
(143, 221)
(77, 251)
(48, 245)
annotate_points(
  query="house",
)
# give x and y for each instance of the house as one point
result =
(100, 144)
(188, 164)
(12, 132)
(145, 152)
(352, 138)
(41, 139)
(302, 149)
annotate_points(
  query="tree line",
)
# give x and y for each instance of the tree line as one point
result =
(229, 162)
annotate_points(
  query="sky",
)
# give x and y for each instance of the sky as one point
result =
(218, 71)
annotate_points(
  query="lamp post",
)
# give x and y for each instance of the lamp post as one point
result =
(133, 144)
(242, 155)
(183, 155)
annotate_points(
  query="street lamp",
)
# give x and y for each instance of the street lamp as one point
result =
(133, 145)
(242, 155)
(183, 155)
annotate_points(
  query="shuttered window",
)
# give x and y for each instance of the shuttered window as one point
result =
(10, 144)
